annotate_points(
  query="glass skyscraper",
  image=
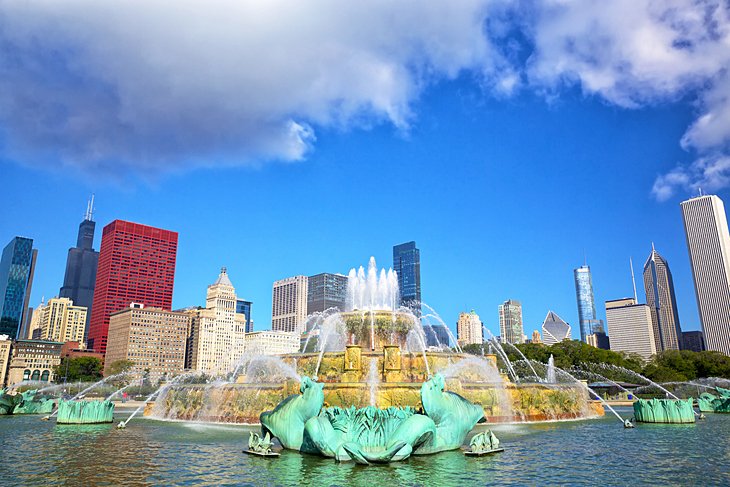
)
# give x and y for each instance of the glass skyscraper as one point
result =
(660, 297)
(16, 278)
(326, 291)
(407, 264)
(245, 308)
(589, 324)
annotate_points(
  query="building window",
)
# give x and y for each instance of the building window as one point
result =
(44, 375)
(26, 374)
(36, 375)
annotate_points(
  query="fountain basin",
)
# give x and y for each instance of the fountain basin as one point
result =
(85, 412)
(664, 411)
(399, 378)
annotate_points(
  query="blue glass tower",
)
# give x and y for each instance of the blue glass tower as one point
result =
(16, 278)
(245, 308)
(407, 264)
(589, 325)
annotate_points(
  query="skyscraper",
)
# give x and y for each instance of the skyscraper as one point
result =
(81, 264)
(407, 265)
(289, 304)
(437, 335)
(708, 242)
(469, 329)
(510, 322)
(136, 265)
(660, 298)
(589, 324)
(244, 307)
(631, 327)
(60, 320)
(16, 279)
(693, 340)
(326, 291)
(554, 329)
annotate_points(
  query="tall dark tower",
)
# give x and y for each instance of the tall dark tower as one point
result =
(80, 277)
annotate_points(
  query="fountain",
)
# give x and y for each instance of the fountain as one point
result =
(371, 435)
(374, 353)
(710, 403)
(664, 411)
(550, 376)
(85, 412)
(28, 402)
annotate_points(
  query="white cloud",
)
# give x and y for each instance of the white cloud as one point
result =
(156, 86)
(149, 87)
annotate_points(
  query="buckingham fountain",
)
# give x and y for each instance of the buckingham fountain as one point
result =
(375, 355)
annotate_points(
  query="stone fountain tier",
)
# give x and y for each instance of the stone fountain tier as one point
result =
(400, 375)
(388, 327)
(664, 411)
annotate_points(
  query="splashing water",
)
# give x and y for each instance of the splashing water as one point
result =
(373, 380)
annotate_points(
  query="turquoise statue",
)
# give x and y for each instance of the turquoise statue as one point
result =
(286, 421)
(258, 444)
(85, 412)
(664, 411)
(372, 435)
(25, 403)
(484, 443)
(710, 403)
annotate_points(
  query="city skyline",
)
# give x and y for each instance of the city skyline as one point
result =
(265, 322)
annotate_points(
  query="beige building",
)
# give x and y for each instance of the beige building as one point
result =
(510, 322)
(289, 304)
(58, 320)
(708, 242)
(217, 334)
(6, 345)
(152, 338)
(631, 327)
(536, 337)
(469, 329)
(272, 342)
(34, 360)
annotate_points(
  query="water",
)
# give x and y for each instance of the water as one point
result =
(605, 404)
(519, 352)
(366, 290)
(148, 452)
(373, 380)
(550, 376)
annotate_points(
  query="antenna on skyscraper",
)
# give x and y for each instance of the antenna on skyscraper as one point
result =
(633, 279)
(90, 209)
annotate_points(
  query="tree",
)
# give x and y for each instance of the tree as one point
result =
(82, 369)
(119, 366)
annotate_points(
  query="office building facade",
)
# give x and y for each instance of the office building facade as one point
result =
(693, 341)
(289, 304)
(554, 329)
(407, 266)
(587, 318)
(217, 334)
(81, 264)
(437, 336)
(708, 242)
(325, 291)
(34, 360)
(660, 297)
(136, 265)
(17, 266)
(59, 320)
(510, 322)
(469, 329)
(632, 329)
(6, 347)
(153, 339)
(269, 342)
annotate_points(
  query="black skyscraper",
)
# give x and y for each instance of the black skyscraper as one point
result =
(80, 278)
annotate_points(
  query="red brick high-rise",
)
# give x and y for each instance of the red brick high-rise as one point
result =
(136, 265)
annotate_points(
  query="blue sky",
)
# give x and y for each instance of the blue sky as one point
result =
(506, 171)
